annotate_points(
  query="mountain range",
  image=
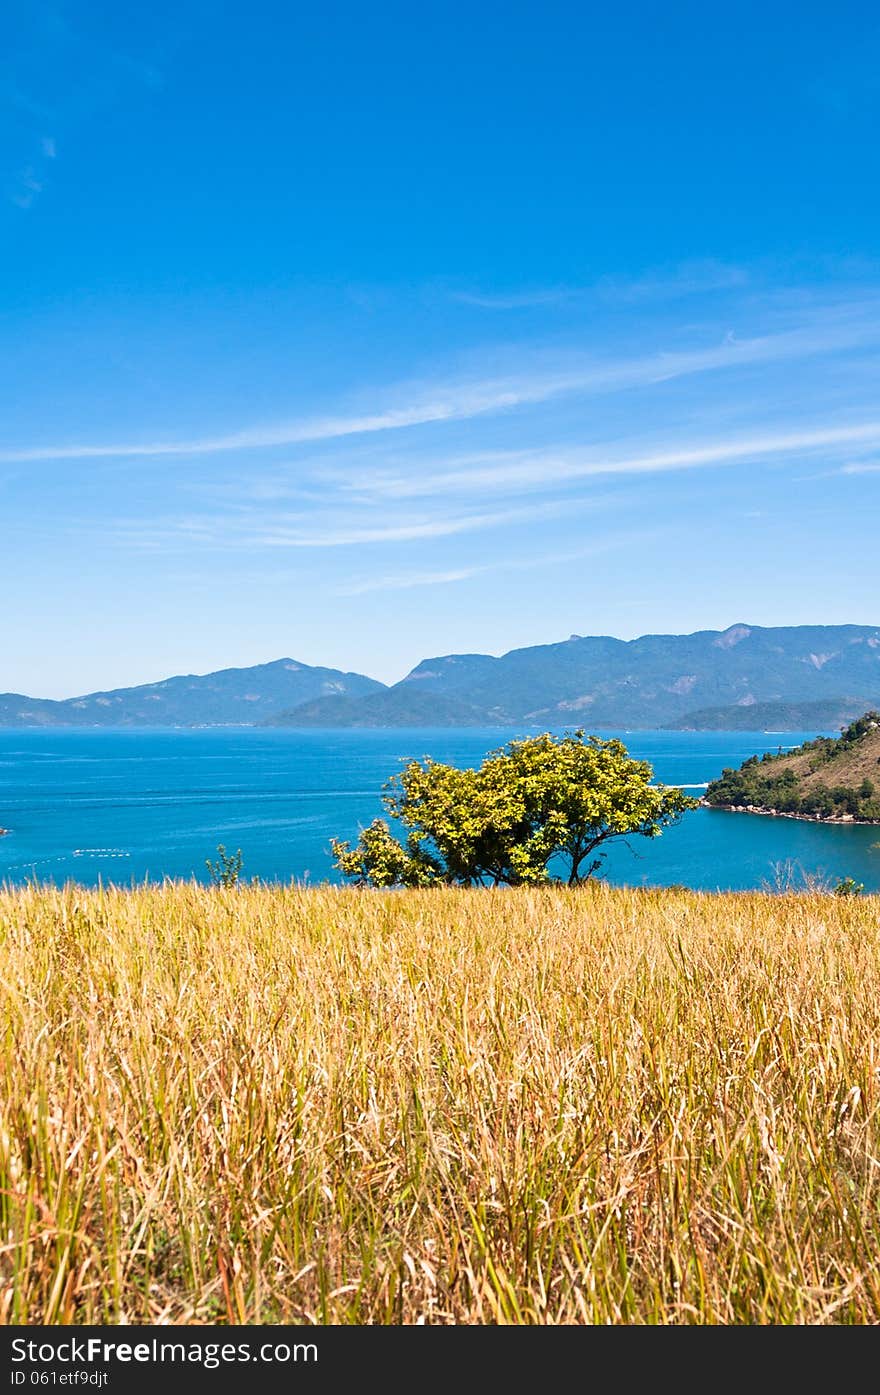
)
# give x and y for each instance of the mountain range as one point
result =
(781, 678)
(231, 697)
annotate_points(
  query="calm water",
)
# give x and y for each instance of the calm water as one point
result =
(125, 806)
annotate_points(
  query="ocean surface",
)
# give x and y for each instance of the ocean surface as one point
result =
(129, 806)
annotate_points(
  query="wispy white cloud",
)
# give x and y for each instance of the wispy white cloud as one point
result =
(667, 283)
(243, 529)
(405, 580)
(55, 76)
(524, 471)
(673, 283)
(26, 187)
(462, 400)
(869, 467)
(514, 300)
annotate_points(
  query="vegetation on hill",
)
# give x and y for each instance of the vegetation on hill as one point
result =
(337, 1106)
(830, 714)
(539, 810)
(828, 778)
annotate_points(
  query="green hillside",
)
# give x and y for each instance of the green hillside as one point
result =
(828, 778)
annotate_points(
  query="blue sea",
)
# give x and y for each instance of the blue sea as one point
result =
(130, 806)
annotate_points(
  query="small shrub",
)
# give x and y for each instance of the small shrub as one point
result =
(226, 871)
(848, 886)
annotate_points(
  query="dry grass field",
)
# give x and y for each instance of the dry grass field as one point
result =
(604, 1106)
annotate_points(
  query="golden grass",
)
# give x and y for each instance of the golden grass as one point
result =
(325, 1105)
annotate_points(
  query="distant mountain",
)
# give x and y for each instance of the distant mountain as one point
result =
(654, 681)
(829, 779)
(828, 715)
(231, 697)
(387, 708)
(746, 676)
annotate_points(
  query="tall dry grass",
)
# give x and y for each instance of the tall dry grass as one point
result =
(330, 1106)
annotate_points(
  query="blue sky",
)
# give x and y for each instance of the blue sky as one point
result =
(365, 333)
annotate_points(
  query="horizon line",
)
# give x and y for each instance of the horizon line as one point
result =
(549, 644)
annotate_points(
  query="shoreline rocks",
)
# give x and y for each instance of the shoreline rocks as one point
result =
(787, 814)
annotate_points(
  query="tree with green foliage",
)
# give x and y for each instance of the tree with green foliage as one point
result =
(539, 810)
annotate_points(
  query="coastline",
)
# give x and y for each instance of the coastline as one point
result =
(786, 814)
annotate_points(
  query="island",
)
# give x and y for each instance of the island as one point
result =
(829, 779)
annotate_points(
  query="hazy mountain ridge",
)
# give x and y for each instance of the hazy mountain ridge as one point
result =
(653, 681)
(779, 678)
(229, 697)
